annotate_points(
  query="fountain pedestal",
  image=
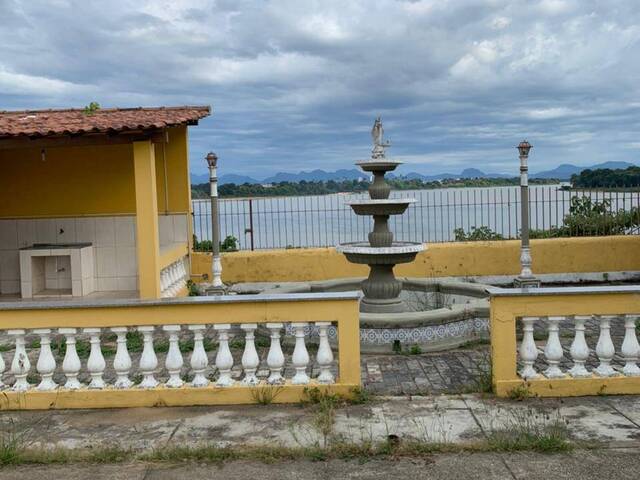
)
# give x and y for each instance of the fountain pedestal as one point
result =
(381, 289)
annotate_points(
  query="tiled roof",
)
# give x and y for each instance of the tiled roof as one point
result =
(42, 123)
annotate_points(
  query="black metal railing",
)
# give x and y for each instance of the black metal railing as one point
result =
(440, 215)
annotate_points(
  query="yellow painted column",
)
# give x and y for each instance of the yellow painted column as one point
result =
(503, 342)
(148, 243)
(349, 343)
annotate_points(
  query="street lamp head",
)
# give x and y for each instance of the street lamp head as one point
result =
(524, 148)
(212, 159)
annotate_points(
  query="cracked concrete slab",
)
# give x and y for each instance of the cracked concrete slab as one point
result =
(587, 418)
(446, 418)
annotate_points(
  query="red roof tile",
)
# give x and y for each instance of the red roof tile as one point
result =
(41, 123)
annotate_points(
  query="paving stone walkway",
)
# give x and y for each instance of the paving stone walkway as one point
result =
(456, 371)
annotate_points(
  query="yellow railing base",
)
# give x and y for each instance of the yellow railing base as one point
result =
(568, 387)
(163, 396)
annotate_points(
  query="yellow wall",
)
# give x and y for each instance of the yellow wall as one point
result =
(88, 180)
(560, 255)
(175, 153)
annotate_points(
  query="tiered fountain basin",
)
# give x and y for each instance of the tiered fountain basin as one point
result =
(364, 253)
(387, 206)
(378, 165)
(440, 314)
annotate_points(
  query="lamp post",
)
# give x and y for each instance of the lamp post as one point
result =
(526, 278)
(217, 286)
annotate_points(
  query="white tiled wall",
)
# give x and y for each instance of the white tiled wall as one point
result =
(113, 239)
(173, 229)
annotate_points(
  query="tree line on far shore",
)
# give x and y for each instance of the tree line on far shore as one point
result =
(351, 186)
(607, 178)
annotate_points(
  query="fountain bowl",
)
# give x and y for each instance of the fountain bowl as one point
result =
(378, 165)
(388, 206)
(364, 253)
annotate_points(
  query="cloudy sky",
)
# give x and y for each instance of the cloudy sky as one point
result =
(296, 84)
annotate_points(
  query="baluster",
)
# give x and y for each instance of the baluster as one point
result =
(199, 359)
(173, 362)
(300, 358)
(605, 348)
(20, 365)
(122, 360)
(148, 360)
(2, 367)
(183, 274)
(630, 347)
(553, 349)
(46, 364)
(71, 363)
(95, 363)
(164, 282)
(528, 349)
(224, 359)
(324, 356)
(170, 281)
(174, 280)
(250, 359)
(275, 358)
(579, 348)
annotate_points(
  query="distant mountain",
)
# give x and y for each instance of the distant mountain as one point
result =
(197, 179)
(466, 173)
(312, 176)
(237, 179)
(317, 176)
(229, 178)
(565, 170)
(562, 172)
(612, 165)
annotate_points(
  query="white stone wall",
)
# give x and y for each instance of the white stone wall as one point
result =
(113, 239)
(173, 229)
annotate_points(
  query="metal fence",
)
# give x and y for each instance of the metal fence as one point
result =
(327, 220)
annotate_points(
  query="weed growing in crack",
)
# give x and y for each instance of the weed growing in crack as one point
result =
(530, 430)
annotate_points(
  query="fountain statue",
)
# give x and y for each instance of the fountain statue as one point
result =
(381, 289)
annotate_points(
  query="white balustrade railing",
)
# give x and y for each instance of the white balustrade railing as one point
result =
(173, 278)
(202, 368)
(552, 354)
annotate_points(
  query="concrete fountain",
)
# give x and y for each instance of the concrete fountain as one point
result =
(381, 253)
(429, 313)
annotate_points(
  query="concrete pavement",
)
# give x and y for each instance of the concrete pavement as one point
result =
(618, 464)
(444, 419)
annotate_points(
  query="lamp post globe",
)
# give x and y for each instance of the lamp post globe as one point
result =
(523, 148)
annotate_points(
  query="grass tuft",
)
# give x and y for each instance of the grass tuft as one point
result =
(529, 430)
(265, 394)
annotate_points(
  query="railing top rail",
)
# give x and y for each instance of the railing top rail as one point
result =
(527, 292)
(207, 300)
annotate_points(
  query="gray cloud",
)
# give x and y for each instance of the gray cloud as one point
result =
(295, 84)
